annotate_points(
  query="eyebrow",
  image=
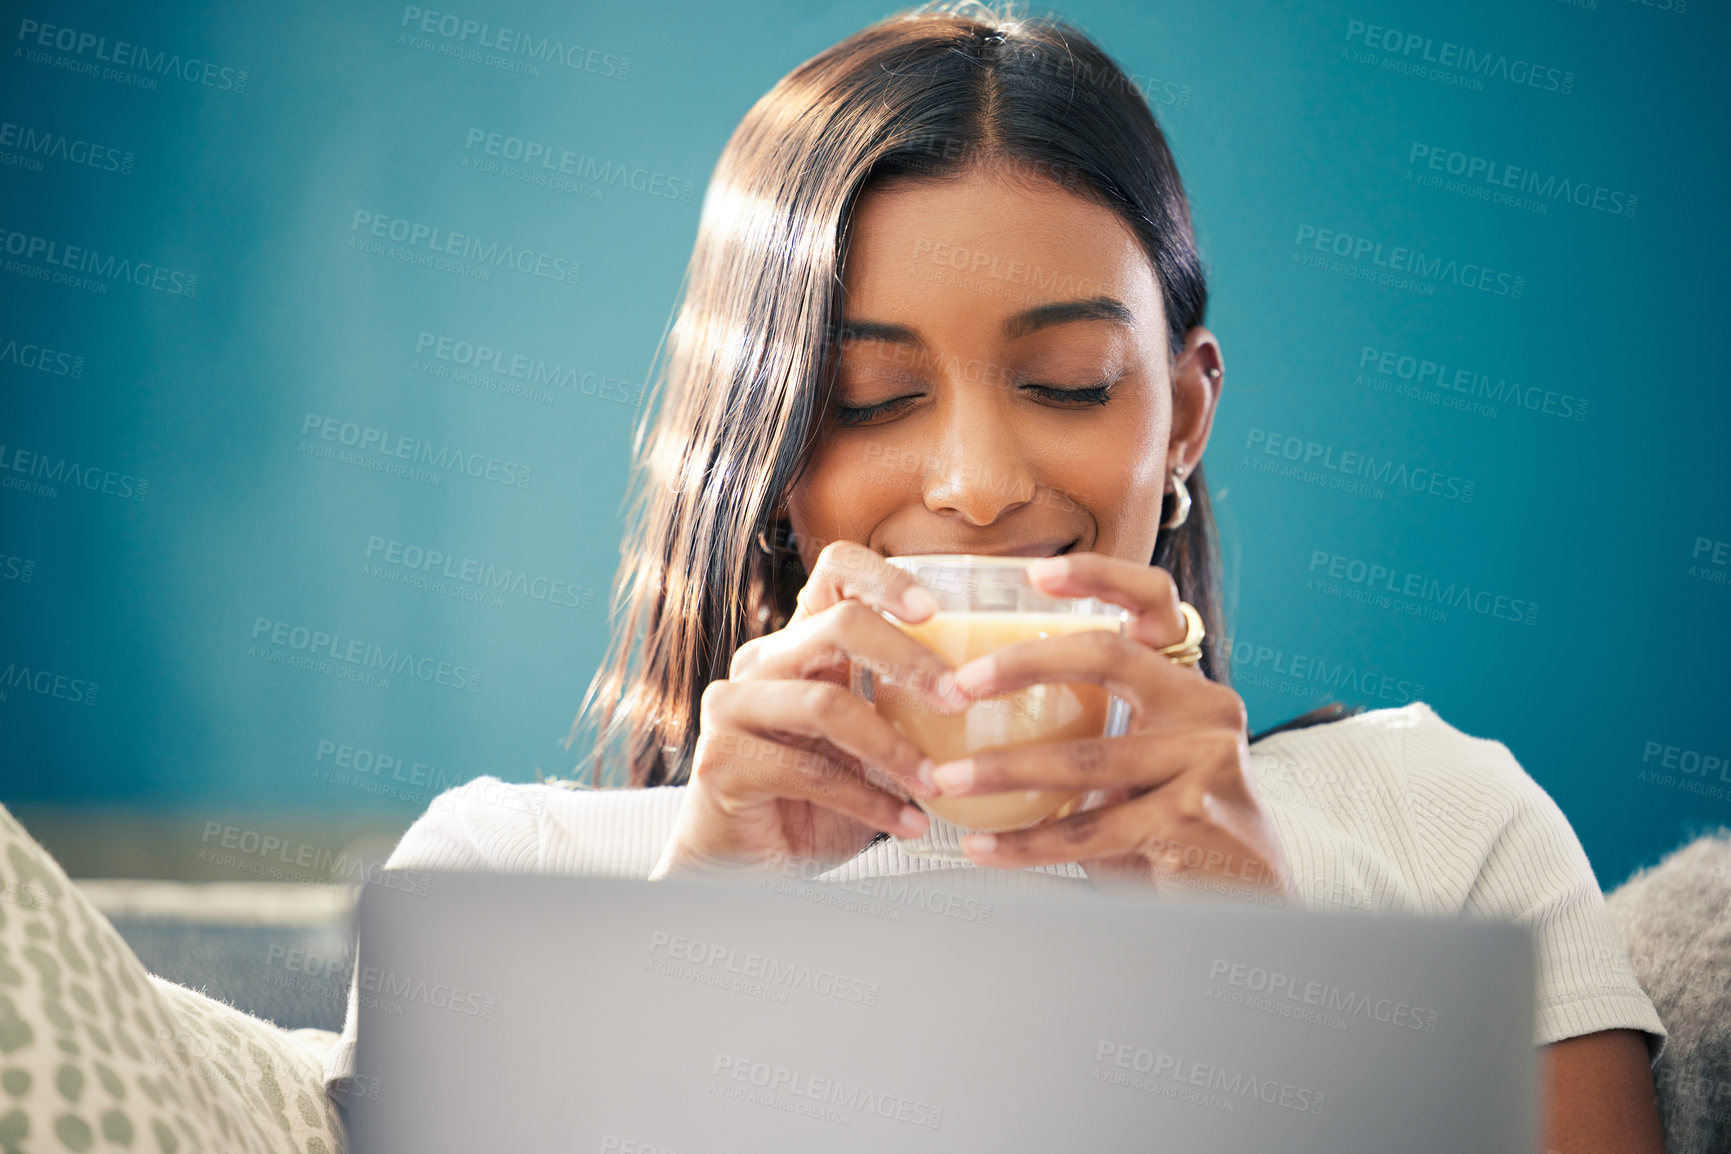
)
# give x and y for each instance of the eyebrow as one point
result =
(1020, 325)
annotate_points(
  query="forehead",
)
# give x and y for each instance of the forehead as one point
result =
(987, 245)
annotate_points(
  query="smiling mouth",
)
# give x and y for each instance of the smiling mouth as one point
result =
(1030, 549)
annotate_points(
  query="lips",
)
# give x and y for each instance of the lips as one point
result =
(1048, 548)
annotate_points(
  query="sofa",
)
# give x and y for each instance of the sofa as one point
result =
(1675, 918)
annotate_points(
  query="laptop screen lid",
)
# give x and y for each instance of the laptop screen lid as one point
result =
(926, 1012)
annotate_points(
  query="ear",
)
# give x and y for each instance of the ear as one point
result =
(1197, 376)
(779, 513)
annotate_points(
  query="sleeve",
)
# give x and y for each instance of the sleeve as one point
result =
(1534, 871)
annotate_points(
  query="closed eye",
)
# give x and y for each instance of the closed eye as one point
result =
(1098, 394)
(1092, 395)
(859, 415)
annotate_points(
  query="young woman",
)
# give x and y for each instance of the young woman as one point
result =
(946, 297)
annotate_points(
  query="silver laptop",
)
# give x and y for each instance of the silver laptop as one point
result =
(767, 1013)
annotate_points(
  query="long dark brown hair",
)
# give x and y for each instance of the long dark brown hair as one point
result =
(921, 95)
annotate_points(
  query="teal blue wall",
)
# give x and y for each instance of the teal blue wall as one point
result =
(173, 514)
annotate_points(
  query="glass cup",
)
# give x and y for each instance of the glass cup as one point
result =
(985, 603)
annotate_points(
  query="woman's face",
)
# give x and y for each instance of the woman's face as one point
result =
(1004, 383)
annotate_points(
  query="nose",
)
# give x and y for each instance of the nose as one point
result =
(978, 468)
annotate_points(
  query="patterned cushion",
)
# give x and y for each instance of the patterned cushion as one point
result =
(97, 1054)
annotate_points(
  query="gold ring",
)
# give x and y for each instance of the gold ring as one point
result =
(1189, 650)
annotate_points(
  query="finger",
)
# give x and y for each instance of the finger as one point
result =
(1097, 656)
(823, 712)
(1134, 762)
(1147, 591)
(847, 633)
(739, 763)
(846, 569)
(1127, 828)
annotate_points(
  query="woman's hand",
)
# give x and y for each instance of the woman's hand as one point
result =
(782, 741)
(1179, 799)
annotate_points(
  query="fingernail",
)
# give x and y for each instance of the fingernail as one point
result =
(919, 601)
(954, 776)
(913, 820)
(979, 843)
(924, 773)
(1048, 567)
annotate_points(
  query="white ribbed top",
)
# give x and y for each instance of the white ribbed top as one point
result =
(1391, 811)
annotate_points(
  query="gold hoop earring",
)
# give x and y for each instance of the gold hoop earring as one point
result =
(1181, 510)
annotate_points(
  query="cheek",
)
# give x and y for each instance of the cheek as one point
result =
(1124, 480)
(846, 489)
(1145, 479)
